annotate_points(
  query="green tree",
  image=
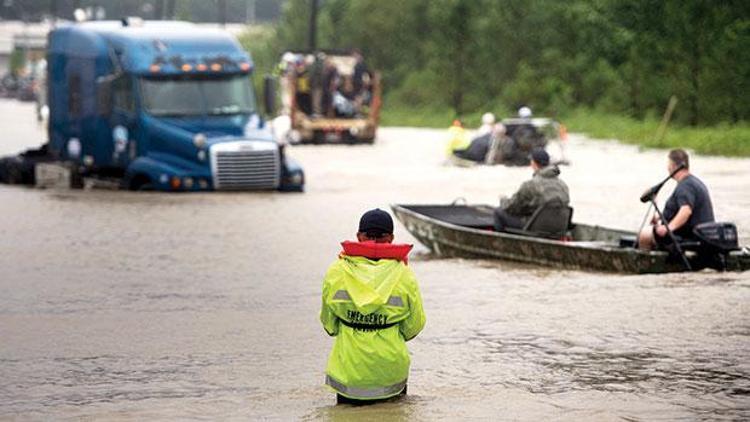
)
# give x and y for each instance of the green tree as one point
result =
(625, 56)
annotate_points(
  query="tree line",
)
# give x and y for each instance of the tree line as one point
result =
(232, 11)
(620, 56)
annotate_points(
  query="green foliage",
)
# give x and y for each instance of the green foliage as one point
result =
(17, 61)
(412, 91)
(620, 57)
(434, 116)
(424, 116)
(722, 139)
(293, 27)
(261, 42)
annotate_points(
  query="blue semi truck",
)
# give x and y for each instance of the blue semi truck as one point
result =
(159, 106)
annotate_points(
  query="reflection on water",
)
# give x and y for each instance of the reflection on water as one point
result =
(146, 306)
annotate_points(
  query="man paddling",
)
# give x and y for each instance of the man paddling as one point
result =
(372, 305)
(689, 205)
(543, 188)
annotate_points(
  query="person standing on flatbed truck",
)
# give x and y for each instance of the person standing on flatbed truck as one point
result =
(330, 81)
(361, 77)
(303, 86)
(372, 305)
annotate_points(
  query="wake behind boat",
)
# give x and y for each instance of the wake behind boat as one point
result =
(466, 231)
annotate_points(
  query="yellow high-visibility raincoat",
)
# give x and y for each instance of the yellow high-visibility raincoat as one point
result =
(372, 307)
(459, 140)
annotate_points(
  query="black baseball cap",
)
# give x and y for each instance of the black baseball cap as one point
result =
(376, 223)
(540, 156)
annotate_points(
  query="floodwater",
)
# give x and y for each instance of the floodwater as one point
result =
(141, 306)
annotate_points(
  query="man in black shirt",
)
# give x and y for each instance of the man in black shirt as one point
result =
(689, 205)
(361, 74)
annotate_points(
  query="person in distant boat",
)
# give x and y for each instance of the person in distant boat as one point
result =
(459, 139)
(372, 305)
(480, 149)
(689, 205)
(488, 124)
(501, 147)
(544, 187)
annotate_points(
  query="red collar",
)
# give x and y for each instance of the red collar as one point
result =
(372, 250)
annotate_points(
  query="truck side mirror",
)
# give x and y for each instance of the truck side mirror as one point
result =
(104, 96)
(269, 95)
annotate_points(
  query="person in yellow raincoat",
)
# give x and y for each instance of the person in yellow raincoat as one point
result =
(459, 139)
(372, 305)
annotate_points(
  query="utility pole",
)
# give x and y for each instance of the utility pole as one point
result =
(170, 9)
(223, 12)
(313, 25)
(250, 12)
(53, 10)
(76, 5)
(662, 130)
(159, 9)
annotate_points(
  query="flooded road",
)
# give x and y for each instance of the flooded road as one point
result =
(133, 306)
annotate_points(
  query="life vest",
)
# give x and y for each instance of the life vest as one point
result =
(372, 250)
(303, 83)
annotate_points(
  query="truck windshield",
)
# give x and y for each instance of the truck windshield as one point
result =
(198, 96)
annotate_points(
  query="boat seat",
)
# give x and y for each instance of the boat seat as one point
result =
(551, 220)
(475, 217)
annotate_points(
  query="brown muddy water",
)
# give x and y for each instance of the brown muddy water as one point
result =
(142, 306)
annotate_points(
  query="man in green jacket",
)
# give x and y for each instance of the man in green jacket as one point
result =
(372, 305)
(544, 187)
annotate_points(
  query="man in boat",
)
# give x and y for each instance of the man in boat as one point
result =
(503, 147)
(543, 188)
(372, 305)
(524, 112)
(689, 205)
(480, 149)
(488, 124)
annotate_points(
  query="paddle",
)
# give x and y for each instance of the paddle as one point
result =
(650, 196)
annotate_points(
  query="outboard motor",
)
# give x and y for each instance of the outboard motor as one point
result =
(717, 240)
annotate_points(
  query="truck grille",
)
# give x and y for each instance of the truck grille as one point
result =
(245, 165)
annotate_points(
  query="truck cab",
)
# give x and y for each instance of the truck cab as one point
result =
(162, 105)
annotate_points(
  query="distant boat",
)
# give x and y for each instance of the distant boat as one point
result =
(466, 231)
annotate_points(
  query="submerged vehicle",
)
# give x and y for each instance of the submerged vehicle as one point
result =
(329, 96)
(467, 231)
(157, 106)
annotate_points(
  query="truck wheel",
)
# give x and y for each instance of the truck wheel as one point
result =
(16, 171)
(292, 140)
(141, 182)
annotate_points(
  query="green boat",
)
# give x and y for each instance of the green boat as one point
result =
(466, 231)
